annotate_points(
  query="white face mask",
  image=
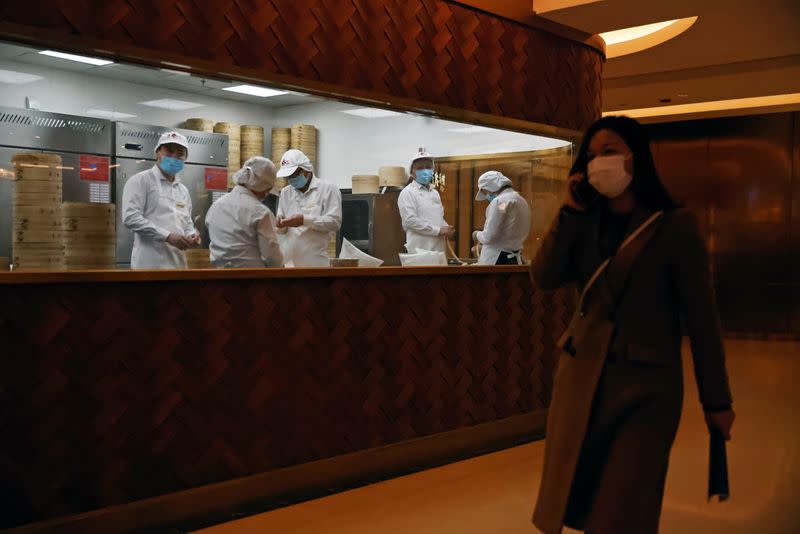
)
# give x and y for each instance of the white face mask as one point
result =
(607, 174)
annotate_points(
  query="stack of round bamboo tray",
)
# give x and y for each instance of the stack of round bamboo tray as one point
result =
(201, 125)
(198, 258)
(252, 141)
(37, 239)
(304, 138)
(365, 183)
(4, 264)
(281, 142)
(392, 176)
(234, 133)
(90, 237)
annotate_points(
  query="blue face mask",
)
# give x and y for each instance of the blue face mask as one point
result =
(424, 176)
(491, 196)
(299, 181)
(171, 166)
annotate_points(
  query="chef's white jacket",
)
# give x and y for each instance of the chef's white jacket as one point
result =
(422, 215)
(508, 223)
(153, 208)
(242, 232)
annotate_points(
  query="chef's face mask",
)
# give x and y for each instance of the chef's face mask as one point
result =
(170, 165)
(608, 175)
(299, 181)
(423, 176)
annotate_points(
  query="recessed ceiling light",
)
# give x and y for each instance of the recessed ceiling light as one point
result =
(73, 57)
(170, 103)
(371, 113)
(17, 78)
(253, 90)
(108, 114)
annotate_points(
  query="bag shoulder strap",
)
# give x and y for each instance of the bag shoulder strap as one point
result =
(633, 235)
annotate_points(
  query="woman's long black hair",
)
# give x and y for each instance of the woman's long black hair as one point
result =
(646, 185)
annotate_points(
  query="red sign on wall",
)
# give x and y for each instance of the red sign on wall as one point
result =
(216, 179)
(94, 168)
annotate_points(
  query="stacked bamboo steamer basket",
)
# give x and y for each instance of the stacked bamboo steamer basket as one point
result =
(200, 125)
(37, 240)
(252, 142)
(281, 142)
(392, 176)
(198, 258)
(304, 138)
(89, 235)
(234, 133)
(332, 245)
(4, 264)
(365, 183)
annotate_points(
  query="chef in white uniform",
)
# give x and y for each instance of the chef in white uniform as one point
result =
(508, 221)
(157, 207)
(309, 210)
(421, 209)
(242, 229)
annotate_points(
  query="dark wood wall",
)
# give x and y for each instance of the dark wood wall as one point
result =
(742, 176)
(426, 51)
(118, 391)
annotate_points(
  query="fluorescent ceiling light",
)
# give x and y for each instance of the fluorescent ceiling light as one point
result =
(170, 103)
(371, 113)
(470, 130)
(634, 32)
(789, 99)
(108, 114)
(176, 72)
(73, 57)
(17, 78)
(253, 90)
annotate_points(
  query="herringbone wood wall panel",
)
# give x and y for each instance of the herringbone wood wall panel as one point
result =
(120, 391)
(426, 50)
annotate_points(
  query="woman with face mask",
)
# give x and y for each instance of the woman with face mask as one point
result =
(641, 265)
(421, 209)
(241, 229)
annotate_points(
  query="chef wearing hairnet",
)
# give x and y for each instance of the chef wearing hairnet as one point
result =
(241, 229)
(309, 210)
(421, 208)
(508, 221)
(157, 207)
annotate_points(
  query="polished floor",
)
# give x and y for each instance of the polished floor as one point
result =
(495, 493)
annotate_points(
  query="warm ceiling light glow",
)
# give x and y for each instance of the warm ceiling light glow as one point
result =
(638, 38)
(73, 57)
(634, 32)
(253, 90)
(789, 99)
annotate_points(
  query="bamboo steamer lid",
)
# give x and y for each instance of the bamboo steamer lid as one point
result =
(200, 125)
(392, 176)
(365, 183)
(38, 186)
(252, 142)
(89, 210)
(76, 224)
(37, 236)
(37, 166)
(281, 142)
(35, 213)
(5, 264)
(231, 129)
(40, 223)
(37, 199)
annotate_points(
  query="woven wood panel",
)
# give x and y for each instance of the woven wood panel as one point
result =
(120, 391)
(427, 50)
